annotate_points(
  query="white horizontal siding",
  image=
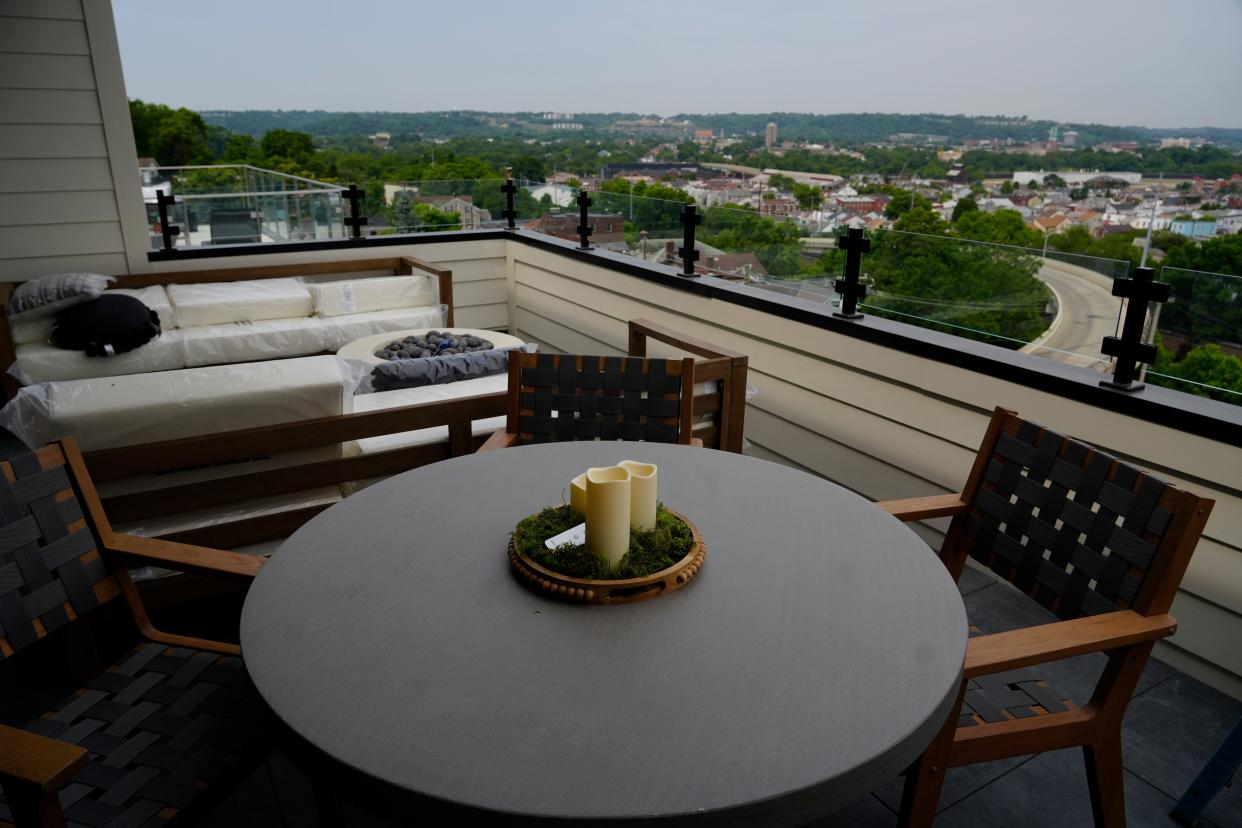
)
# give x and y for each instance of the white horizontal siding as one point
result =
(53, 141)
(19, 270)
(57, 208)
(40, 36)
(480, 292)
(54, 175)
(46, 72)
(50, 106)
(60, 9)
(475, 269)
(492, 317)
(60, 239)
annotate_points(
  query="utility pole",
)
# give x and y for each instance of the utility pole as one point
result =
(1155, 205)
(1149, 334)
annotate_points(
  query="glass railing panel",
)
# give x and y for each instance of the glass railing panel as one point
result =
(1198, 333)
(1060, 307)
(428, 206)
(240, 204)
(757, 245)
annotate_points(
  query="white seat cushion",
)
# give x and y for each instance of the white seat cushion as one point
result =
(37, 362)
(218, 303)
(145, 408)
(338, 330)
(250, 341)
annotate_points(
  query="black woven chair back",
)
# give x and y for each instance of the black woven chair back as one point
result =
(50, 570)
(1074, 528)
(565, 397)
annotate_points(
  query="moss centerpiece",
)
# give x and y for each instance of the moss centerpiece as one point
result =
(658, 561)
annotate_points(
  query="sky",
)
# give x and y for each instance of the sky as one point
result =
(1140, 62)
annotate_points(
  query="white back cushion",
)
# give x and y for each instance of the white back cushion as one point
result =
(373, 294)
(219, 303)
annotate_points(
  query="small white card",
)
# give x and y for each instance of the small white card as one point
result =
(576, 536)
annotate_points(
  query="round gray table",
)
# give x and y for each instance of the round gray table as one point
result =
(813, 658)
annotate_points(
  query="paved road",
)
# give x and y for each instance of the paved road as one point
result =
(1088, 314)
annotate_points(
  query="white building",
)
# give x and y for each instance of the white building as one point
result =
(1076, 179)
(560, 194)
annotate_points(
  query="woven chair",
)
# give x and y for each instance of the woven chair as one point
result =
(1092, 539)
(143, 740)
(597, 397)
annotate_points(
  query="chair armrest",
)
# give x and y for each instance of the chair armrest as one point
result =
(184, 557)
(32, 760)
(922, 508)
(499, 439)
(662, 333)
(1011, 650)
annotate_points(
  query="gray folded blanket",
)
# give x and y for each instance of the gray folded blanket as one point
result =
(413, 373)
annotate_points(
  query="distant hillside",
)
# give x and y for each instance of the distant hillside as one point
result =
(847, 128)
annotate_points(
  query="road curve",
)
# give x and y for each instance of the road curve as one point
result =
(1087, 314)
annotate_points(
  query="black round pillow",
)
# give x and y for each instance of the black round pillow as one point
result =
(109, 325)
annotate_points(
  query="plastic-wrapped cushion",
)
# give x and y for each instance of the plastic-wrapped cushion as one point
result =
(251, 341)
(338, 330)
(37, 362)
(155, 298)
(145, 408)
(497, 384)
(223, 302)
(374, 294)
(48, 295)
(26, 330)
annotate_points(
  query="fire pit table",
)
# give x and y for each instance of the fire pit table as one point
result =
(364, 349)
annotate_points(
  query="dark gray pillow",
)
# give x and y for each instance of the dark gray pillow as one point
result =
(48, 295)
(413, 373)
(110, 325)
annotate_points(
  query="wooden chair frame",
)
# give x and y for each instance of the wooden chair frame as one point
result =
(510, 434)
(1126, 636)
(34, 767)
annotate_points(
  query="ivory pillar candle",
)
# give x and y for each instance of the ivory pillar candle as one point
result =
(642, 494)
(578, 496)
(608, 512)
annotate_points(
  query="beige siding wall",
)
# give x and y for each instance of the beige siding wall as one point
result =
(69, 194)
(888, 425)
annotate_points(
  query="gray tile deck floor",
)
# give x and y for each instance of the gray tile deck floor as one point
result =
(1173, 724)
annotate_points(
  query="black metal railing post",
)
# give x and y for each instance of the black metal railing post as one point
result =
(690, 219)
(163, 201)
(510, 190)
(1129, 349)
(855, 244)
(584, 230)
(355, 220)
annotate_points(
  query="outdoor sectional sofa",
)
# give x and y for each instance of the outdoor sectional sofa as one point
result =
(244, 452)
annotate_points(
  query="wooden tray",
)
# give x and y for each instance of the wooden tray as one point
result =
(622, 591)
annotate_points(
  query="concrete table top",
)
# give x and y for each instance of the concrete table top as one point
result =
(813, 657)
